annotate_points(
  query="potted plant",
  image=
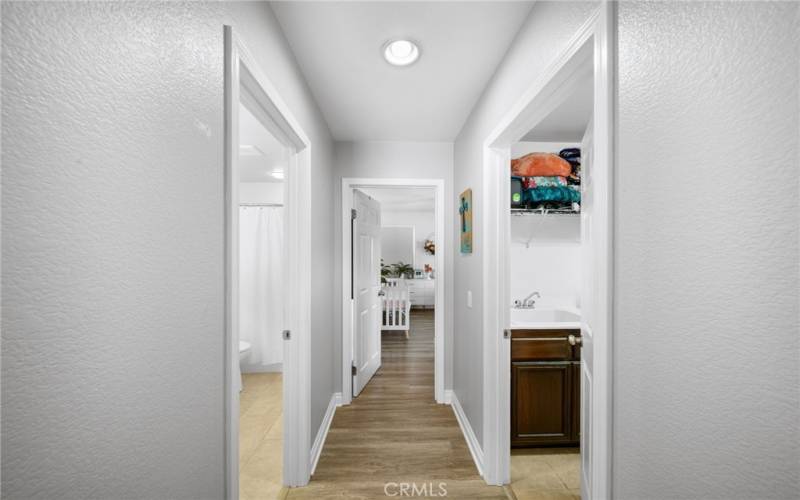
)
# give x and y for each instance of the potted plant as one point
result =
(396, 270)
(403, 270)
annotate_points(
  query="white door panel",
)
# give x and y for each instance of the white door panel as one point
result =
(588, 303)
(367, 279)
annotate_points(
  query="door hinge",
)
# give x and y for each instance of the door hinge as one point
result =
(353, 370)
(287, 335)
(353, 213)
(506, 333)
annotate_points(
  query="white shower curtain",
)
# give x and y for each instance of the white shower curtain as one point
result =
(261, 285)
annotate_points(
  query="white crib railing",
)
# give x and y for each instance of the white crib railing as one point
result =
(396, 304)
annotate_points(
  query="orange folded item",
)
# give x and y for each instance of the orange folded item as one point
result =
(540, 164)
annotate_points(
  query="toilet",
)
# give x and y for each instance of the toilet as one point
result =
(244, 350)
(244, 353)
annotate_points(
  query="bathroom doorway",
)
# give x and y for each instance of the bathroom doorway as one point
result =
(565, 116)
(267, 279)
(261, 168)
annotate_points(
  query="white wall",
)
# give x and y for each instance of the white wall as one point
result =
(261, 192)
(706, 401)
(545, 257)
(543, 35)
(409, 160)
(424, 228)
(524, 147)
(113, 251)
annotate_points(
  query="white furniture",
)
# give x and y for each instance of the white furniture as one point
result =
(422, 292)
(396, 305)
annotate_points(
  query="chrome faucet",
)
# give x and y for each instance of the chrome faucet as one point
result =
(527, 302)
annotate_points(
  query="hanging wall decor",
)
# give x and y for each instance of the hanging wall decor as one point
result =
(465, 212)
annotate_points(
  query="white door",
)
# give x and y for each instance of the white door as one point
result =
(590, 293)
(366, 288)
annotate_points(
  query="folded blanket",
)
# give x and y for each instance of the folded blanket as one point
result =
(540, 181)
(540, 164)
(553, 193)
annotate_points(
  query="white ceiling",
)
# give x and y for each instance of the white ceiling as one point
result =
(338, 46)
(259, 152)
(566, 123)
(419, 199)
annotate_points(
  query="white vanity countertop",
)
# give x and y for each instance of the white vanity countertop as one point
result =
(545, 319)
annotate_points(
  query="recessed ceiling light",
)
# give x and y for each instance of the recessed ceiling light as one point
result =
(278, 174)
(400, 52)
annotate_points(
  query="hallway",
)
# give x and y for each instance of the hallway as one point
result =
(394, 432)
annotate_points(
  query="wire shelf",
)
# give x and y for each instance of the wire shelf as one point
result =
(545, 211)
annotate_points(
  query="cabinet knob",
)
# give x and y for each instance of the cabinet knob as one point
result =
(573, 340)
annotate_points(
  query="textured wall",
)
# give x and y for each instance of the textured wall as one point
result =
(112, 249)
(544, 34)
(706, 307)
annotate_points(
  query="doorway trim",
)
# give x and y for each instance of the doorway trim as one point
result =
(348, 184)
(595, 39)
(245, 83)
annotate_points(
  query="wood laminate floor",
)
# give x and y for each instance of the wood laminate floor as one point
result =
(394, 432)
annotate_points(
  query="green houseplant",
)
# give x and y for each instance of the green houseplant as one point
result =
(396, 270)
(403, 270)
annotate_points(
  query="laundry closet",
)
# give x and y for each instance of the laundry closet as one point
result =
(546, 257)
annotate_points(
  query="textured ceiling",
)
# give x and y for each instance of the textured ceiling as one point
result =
(338, 46)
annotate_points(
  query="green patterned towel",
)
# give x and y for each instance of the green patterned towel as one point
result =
(553, 193)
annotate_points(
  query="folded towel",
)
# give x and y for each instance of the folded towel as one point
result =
(540, 164)
(553, 193)
(540, 181)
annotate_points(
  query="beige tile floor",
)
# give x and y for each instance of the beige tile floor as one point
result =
(546, 473)
(261, 437)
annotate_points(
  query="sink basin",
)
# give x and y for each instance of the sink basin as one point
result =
(540, 319)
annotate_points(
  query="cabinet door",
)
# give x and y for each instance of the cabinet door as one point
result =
(541, 411)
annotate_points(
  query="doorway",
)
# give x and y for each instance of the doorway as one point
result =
(261, 165)
(267, 313)
(418, 273)
(586, 345)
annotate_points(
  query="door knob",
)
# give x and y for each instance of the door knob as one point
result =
(573, 340)
(381, 293)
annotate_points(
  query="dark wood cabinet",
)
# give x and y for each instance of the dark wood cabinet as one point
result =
(545, 388)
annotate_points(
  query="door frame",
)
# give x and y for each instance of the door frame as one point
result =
(594, 41)
(246, 83)
(348, 184)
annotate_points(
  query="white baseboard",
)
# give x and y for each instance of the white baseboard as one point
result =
(472, 441)
(322, 432)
